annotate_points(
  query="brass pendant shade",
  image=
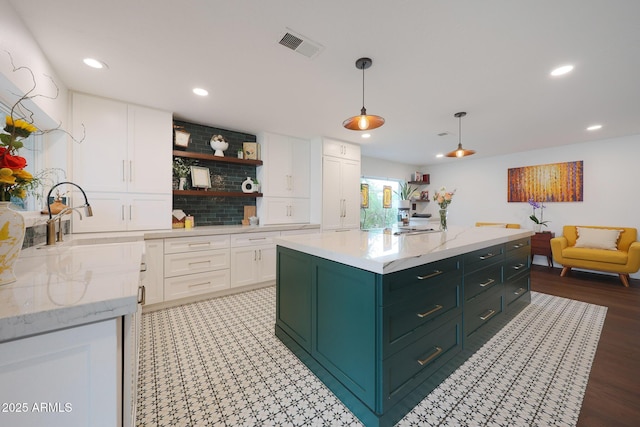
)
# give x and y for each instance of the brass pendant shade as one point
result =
(364, 121)
(460, 152)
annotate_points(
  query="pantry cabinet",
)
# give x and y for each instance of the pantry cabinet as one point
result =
(124, 158)
(340, 186)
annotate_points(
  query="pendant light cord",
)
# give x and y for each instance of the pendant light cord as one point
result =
(363, 67)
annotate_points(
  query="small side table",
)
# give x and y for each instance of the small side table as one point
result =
(540, 246)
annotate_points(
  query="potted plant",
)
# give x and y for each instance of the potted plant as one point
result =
(404, 193)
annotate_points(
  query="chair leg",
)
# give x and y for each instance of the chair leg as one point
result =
(625, 279)
(565, 270)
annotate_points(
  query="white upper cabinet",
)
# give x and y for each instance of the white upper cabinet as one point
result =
(127, 148)
(340, 149)
(286, 170)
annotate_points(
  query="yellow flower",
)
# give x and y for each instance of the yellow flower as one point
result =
(22, 174)
(6, 176)
(20, 124)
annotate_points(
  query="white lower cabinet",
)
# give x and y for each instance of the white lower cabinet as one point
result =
(195, 265)
(253, 258)
(153, 277)
(195, 284)
(71, 377)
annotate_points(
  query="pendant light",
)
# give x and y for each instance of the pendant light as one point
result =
(363, 121)
(460, 152)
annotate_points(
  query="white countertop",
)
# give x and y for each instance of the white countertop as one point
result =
(69, 285)
(386, 253)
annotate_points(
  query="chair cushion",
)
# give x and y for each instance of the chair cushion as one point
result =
(597, 238)
(597, 255)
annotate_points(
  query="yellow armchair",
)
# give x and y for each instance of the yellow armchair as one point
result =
(623, 260)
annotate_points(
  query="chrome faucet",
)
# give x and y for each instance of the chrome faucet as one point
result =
(51, 222)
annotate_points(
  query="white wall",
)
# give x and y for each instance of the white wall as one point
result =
(49, 113)
(610, 186)
(380, 168)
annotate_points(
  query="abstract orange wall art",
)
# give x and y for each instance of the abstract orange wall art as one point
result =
(555, 182)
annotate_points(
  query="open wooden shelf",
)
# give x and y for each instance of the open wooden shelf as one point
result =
(200, 156)
(215, 193)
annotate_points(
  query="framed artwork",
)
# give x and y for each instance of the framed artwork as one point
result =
(250, 150)
(364, 195)
(200, 177)
(386, 196)
(555, 182)
(182, 138)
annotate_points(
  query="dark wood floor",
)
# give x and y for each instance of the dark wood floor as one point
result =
(613, 392)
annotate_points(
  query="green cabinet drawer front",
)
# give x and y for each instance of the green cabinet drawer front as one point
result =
(345, 327)
(482, 280)
(479, 311)
(293, 289)
(518, 244)
(408, 368)
(397, 286)
(516, 287)
(406, 319)
(479, 259)
(517, 261)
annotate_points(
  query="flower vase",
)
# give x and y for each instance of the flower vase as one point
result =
(443, 219)
(537, 228)
(11, 237)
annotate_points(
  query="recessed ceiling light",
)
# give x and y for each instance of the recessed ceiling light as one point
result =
(200, 92)
(366, 135)
(594, 127)
(439, 155)
(562, 70)
(94, 63)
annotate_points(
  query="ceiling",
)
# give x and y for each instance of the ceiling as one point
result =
(431, 59)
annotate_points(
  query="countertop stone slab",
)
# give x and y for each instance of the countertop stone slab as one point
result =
(382, 253)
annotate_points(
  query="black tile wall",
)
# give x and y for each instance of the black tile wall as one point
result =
(224, 177)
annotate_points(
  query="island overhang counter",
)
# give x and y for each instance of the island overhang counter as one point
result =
(382, 319)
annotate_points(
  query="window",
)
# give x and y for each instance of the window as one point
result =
(375, 215)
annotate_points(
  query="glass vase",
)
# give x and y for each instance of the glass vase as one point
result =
(443, 219)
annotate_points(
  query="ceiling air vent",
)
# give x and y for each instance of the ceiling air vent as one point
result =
(301, 44)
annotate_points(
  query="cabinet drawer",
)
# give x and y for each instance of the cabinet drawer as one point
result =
(195, 243)
(516, 262)
(518, 244)
(483, 257)
(480, 311)
(404, 284)
(195, 262)
(515, 288)
(250, 239)
(407, 318)
(195, 284)
(482, 280)
(411, 366)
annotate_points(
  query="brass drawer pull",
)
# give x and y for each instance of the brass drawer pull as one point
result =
(428, 276)
(487, 283)
(433, 310)
(423, 362)
(487, 256)
(198, 244)
(488, 314)
(518, 267)
(519, 291)
(518, 246)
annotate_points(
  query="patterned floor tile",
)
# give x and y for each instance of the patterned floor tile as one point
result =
(218, 363)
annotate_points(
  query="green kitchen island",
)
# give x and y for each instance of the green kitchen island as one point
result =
(382, 319)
